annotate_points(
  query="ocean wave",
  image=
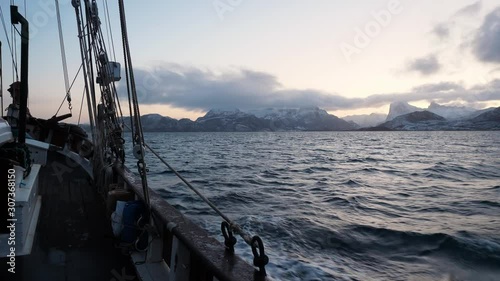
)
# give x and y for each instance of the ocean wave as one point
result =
(384, 240)
(368, 159)
(370, 170)
(352, 183)
(167, 172)
(314, 169)
(486, 203)
(458, 172)
(337, 201)
(234, 198)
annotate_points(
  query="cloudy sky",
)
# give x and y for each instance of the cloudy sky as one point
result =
(348, 57)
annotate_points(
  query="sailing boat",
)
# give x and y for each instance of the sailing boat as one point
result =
(75, 211)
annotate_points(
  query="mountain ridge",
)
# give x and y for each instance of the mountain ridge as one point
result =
(447, 111)
(428, 121)
(316, 119)
(235, 120)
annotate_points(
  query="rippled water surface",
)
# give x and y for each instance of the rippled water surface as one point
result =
(347, 205)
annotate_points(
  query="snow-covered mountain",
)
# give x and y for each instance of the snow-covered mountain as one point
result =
(400, 108)
(235, 120)
(490, 115)
(418, 120)
(316, 119)
(428, 121)
(366, 120)
(295, 113)
(447, 111)
(304, 118)
(450, 112)
(220, 113)
(219, 120)
(158, 122)
(479, 112)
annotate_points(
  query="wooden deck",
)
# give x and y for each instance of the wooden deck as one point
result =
(74, 240)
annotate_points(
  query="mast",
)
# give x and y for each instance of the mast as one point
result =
(17, 18)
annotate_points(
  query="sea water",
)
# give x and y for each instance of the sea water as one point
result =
(346, 205)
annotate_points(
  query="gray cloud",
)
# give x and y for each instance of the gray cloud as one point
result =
(443, 92)
(443, 30)
(197, 89)
(486, 45)
(470, 10)
(426, 65)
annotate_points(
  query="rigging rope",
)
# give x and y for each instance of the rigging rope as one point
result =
(234, 226)
(90, 68)
(109, 108)
(119, 105)
(110, 30)
(83, 53)
(141, 164)
(14, 41)
(15, 75)
(63, 56)
(260, 259)
(81, 106)
(109, 34)
(106, 25)
(14, 68)
(69, 89)
(131, 113)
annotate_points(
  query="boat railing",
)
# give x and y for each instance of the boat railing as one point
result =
(188, 250)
